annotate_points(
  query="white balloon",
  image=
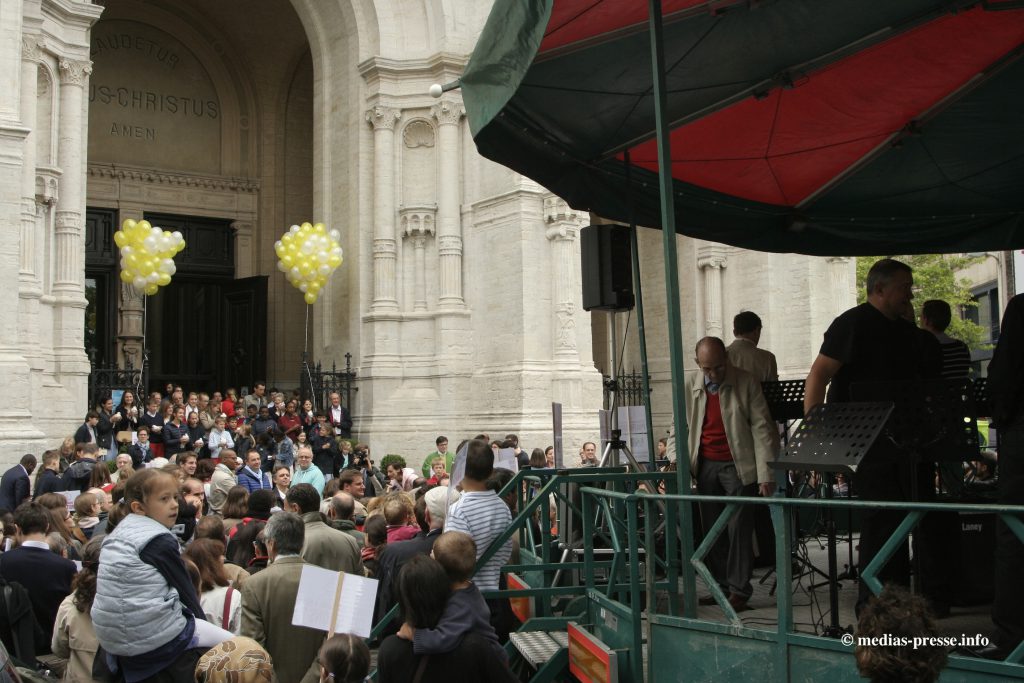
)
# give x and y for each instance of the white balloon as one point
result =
(150, 243)
(325, 270)
(139, 282)
(335, 235)
(156, 232)
(127, 250)
(303, 287)
(294, 229)
(296, 273)
(322, 257)
(308, 247)
(167, 266)
(178, 237)
(282, 267)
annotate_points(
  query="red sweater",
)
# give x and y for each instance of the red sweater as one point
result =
(713, 443)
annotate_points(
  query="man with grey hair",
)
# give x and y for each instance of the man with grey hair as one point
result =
(341, 511)
(268, 602)
(394, 555)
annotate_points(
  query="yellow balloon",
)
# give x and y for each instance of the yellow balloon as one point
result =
(120, 239)
(310, 297)
(128, 224)
(319, 227)
(151, 289)
(306, 227)
(164, 280)
(286, 239)
(145, 225)
(333, 261)
(126, 276)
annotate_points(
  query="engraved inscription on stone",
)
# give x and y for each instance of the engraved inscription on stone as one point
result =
(151, 100)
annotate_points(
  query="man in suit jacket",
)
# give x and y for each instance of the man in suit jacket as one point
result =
(45, 575)
(49, 480)
(14, 485)
(743, 352)
(324, 546)
(87, 432)
(268, 601)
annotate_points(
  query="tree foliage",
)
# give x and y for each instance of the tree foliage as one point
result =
(935, 277)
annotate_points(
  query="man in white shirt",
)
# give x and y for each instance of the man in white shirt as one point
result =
(484, 516)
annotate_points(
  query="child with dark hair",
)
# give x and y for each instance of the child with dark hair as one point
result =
(897, 613)
(376, 530)
(344, 658)
(466, 610)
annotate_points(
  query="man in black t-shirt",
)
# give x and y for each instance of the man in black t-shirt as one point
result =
(872, 342)
(1006, 387)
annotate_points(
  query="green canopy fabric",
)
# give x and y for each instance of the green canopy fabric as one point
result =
(824, 127)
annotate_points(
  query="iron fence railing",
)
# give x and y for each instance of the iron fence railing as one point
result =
(318, 383)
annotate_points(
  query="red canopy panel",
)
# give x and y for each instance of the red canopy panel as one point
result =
(785, 147)
(573, 21)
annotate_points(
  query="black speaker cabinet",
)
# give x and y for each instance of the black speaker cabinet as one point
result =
(607, 268)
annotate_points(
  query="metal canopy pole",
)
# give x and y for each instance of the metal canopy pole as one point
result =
(638, 288)
(675, 324)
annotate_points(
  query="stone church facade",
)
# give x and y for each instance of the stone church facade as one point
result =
(459, 296)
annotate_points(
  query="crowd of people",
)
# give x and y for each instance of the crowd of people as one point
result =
(168, 545)
(166, 541)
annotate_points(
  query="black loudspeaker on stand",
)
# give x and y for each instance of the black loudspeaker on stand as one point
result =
(607, 265)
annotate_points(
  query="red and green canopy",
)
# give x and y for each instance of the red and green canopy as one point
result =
(834, 127)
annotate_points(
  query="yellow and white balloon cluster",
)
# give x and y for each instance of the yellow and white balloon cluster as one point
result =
(307, 255)
(147, 254)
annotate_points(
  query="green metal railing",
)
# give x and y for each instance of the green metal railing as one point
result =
(647, 506)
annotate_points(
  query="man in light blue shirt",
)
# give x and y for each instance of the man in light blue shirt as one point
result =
(305, 472)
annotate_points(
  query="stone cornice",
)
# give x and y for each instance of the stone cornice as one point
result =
(435, 65)
(144, 175)
(73, 12)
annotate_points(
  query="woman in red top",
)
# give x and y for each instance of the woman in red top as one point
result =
(290, 422)
(227, 406)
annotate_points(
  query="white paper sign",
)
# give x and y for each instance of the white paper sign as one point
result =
(70, 496)
(354, 596)
(505, 458)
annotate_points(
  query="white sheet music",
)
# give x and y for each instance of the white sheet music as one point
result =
(355, 601)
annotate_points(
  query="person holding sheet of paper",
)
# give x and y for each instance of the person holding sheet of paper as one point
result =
(268, 604)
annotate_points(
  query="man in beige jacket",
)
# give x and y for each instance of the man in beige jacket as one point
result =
(743, 352)
(732, 441)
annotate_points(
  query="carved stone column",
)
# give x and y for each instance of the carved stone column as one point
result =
(243, 248)
(131, 307)
(30, 56)
(74, 76)
(563, 233)
(711, 260)
(841, 273)
(385, 248)
(417, 226)
(449, 115)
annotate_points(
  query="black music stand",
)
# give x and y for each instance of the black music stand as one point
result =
(834, 437)
(982, 400)
(785, 399)
(936, 418)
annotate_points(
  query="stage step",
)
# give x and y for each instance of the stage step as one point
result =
(537, 647)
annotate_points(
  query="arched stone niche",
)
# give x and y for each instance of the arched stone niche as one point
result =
(151, 101)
